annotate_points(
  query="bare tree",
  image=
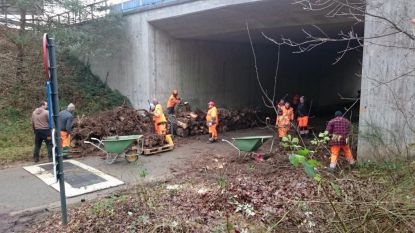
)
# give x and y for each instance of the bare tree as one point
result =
(390, 31)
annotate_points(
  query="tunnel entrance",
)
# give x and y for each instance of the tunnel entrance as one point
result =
(207, 55)
(221, 68)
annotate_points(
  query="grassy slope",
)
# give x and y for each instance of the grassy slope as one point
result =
(18, 98)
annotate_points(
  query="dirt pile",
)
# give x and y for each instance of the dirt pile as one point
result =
(120, 121)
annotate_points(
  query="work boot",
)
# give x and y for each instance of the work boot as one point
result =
(210, 141)
(352, 166)
(331, 169)
(36, 160)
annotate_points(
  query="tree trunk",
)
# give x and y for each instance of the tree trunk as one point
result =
(20, 44)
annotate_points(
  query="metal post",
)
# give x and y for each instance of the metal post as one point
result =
(5, 16)
(55, 115)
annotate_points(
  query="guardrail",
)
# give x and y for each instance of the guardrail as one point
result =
(135, 5)
(86, 13)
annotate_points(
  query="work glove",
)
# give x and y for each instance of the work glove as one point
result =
(210, 124)
(347, 141)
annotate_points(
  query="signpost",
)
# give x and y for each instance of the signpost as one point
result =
(49, 60)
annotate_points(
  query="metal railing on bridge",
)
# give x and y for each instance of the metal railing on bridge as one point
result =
(131, 5)
(86, 13)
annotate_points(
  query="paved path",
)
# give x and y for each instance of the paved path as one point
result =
(21, 191)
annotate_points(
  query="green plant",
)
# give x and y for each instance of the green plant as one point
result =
(103, 206)
(142, 219)
(222, 182)
(322, 139)
(290, 143)
(143, 173)
(218, 229)
(244, 208)
(300, 157)
(251, 167)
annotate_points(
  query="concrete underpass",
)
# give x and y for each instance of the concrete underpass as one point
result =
(202, 49)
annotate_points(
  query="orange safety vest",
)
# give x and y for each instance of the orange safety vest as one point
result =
(212, 112)
(286, 117)
(159, 115)
(172, 101)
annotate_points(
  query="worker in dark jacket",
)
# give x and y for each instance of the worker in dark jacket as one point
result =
(65, 121)
(302, 116)
(339, 129)
(40, 124)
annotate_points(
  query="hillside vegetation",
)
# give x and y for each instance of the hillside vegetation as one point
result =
(18, 97)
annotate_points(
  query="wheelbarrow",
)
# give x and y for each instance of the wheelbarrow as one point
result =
(250, 145)
(117, 146)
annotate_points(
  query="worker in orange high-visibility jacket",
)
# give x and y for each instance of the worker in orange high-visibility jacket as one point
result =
(283, 122)
(280, 104)
(159, 119)
(302, 117)
(212, 121)
(172, 102)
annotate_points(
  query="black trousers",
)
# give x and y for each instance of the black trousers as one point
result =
(42, 135)
(170, 111)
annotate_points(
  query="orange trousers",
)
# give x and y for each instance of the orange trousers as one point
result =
(335, 150)
(213, 132)
(282, 131)
(302, 121)
(160, 128)
(66, 139)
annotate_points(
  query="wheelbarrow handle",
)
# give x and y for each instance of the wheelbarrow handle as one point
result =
(95, 145)
(230, 143)
(96, 139)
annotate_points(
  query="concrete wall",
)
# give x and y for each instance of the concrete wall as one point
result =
(150, 63)
(204, 71)
(387, 125)
(126, 67)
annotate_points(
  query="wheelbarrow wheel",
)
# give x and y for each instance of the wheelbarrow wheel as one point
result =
(131, 156)
(111, 157)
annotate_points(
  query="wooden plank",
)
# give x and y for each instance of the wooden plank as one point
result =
(156, 150)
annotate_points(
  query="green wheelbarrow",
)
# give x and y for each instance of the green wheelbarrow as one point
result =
(117, 146)
(250, 145)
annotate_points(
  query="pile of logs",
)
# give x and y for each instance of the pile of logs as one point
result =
(188, 123)
(128, 121)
